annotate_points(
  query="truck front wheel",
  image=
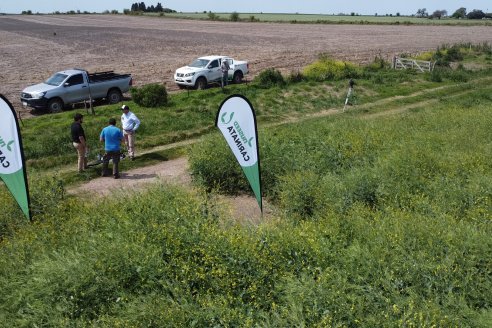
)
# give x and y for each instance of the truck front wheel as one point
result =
(238, 77)
(114, 96)
(55, 105)
(201, 83)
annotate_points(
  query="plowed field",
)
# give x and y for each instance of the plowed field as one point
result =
(33, 47)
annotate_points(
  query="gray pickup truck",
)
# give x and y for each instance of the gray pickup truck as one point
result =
(76, 85)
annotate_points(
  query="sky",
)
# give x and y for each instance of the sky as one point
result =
(363, 7)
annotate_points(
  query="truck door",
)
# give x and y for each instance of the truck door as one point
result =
(76, 89)
(214, 72)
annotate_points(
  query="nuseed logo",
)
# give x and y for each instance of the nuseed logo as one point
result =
(224, 115)
(3, 156)
(239, 137)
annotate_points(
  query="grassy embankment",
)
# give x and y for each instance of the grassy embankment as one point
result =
(384, 217)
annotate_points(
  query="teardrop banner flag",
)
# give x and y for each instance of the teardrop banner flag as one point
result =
(12, 167)
(237, 121)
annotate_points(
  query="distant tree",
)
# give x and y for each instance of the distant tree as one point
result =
(439, 14)
(26, 12)
(352, 14)
(212, 16)
(134, 7)
(151, 9)
(234, 17)
(158, 8)
(142, 7)
(459, 13)
(397, 14)
(422, 12)
(475, 14)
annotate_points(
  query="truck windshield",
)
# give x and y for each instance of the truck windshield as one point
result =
(199, 63)
(56, 79)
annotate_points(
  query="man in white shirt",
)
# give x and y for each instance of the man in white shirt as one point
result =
(129, 124)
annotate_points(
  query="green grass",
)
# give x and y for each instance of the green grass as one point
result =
(331, 19)
(192, 114)
(384, 222)
(383, 216)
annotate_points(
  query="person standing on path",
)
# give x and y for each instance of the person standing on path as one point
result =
(129, 123)
(224, 67)
(79, 141)
(350, 95)
(112, 138)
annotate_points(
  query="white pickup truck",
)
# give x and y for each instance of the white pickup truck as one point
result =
(205, 70)
(75, 85)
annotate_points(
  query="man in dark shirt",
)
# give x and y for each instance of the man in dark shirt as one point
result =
(79, 142)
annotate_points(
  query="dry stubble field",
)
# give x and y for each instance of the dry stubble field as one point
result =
(33, 47)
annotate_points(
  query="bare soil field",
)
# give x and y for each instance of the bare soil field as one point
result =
(33, 47)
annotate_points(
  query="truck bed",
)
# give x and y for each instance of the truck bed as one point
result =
(104, 76)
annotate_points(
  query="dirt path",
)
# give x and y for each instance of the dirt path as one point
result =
(243, 208)
(173, 171)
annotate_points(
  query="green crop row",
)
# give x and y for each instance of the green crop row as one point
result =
(170, 258)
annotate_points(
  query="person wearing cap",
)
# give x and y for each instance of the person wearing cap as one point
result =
(129, 123)
(78, 140)
(112, 138)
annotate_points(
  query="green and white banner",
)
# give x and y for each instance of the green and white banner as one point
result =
(12, 168)
(237, 121)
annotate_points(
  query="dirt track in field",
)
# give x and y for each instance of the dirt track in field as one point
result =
(33, 47)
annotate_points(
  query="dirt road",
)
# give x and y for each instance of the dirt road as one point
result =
(32, 47)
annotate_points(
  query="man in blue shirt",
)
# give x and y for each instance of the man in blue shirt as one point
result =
(112, 138)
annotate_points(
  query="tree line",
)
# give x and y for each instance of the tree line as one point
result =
(459, 13)
(141, 7)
